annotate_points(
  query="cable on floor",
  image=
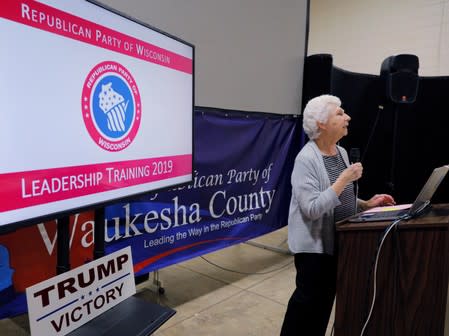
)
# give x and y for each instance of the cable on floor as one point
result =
(247, 273)
(250, 273)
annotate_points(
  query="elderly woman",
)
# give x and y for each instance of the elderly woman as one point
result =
(322, 194)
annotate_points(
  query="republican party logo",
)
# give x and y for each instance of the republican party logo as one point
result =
(111, 106)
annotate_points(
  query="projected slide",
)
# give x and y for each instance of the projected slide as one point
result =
(94, 107)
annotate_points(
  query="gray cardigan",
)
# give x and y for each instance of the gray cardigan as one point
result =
(311, 226)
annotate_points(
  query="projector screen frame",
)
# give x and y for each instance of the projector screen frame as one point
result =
(92, 206)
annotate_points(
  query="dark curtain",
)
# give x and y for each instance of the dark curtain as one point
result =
(400, 143)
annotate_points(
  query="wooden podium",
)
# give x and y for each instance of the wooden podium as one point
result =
(412, 276)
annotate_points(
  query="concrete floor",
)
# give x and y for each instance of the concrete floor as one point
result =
(210, 301)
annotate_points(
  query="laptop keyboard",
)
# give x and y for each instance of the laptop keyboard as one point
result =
(389, 214)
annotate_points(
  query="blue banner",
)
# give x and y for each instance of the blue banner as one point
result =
(240, 190)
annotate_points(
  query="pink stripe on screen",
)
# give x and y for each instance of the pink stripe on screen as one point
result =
(34, 14)
(24, 189)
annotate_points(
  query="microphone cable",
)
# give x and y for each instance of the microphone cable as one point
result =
(354, 156)
(397, 270)
(376, 260)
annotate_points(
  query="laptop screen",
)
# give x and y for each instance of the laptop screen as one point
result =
(429, 189)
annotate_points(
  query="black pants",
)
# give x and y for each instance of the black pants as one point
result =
(311, 303)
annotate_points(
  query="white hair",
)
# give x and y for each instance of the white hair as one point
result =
(317, 110)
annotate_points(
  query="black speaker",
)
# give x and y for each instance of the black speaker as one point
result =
(399, 75)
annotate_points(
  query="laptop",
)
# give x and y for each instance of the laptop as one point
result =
(422, 202)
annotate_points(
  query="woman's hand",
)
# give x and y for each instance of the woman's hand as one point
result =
(378, 200)
(350, 174)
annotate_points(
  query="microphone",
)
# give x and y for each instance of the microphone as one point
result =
(354, 156)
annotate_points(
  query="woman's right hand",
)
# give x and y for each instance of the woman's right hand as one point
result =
(350, 174)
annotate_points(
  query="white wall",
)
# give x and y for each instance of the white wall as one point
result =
(249, 53)
(360, 34)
